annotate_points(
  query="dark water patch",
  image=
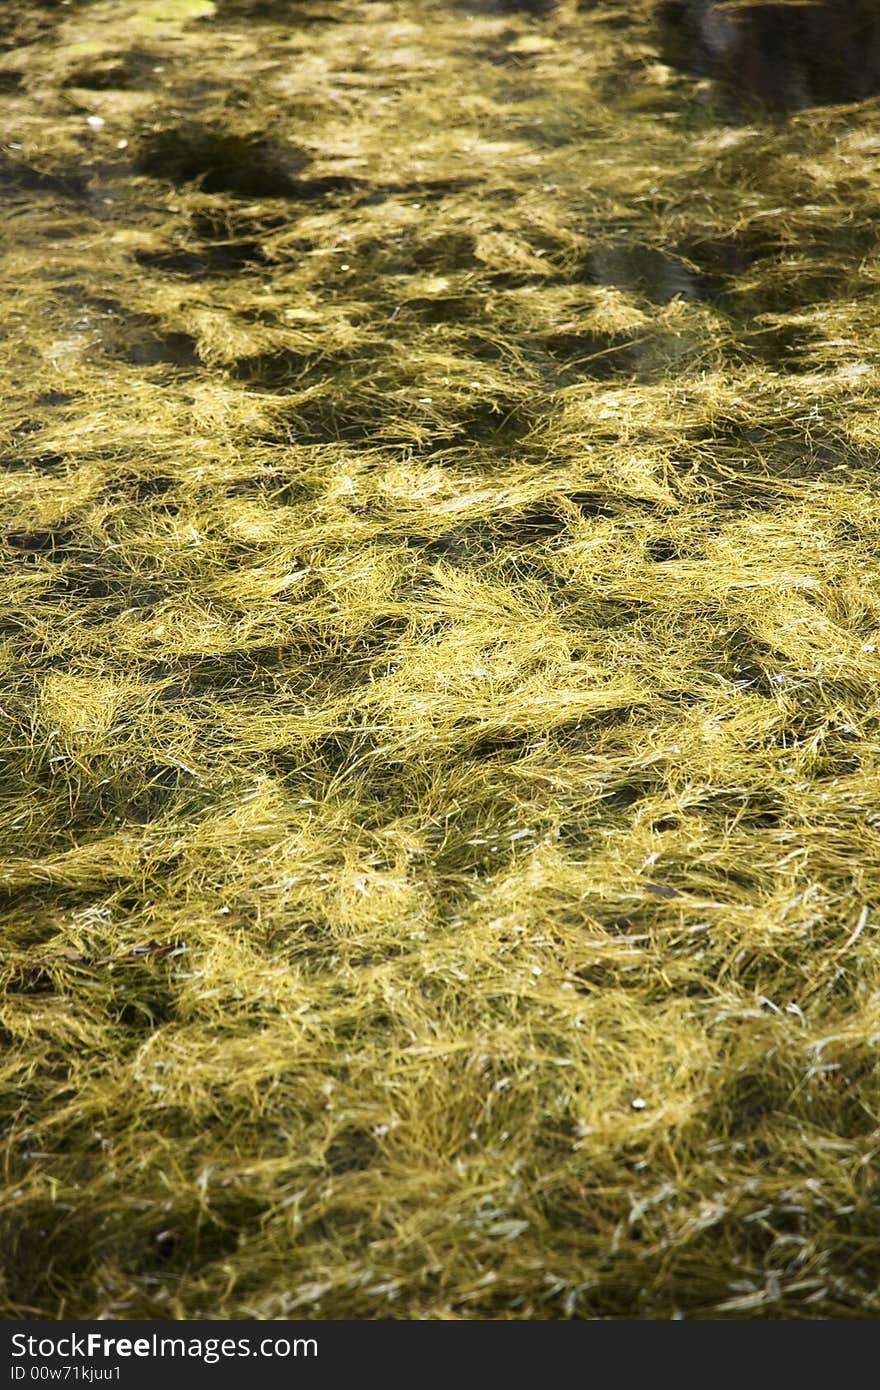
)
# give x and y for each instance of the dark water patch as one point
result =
(325, 186)
(761, 808)
(659, 275)
(83, 577)
(116, 72)
(499, 57)
(761, 819)
(292, 13)
(615, 15)
(32, 980)
(749, 276)
(785, 450)
(219, 160)
(335, 754)
(153, 788)
(601, 505)
(625, 795)
(178, 1248)
(450, 252)
(661, 551)
(56, 542)
(231, 670)
(327, 419)
(460, 544)
(512, 279)
(270, 370)
(576, 349)
(352, 1150)
(139, 338)
(205, 261)
(426, 190)
(767, 273)
(572, 357)
(25, 428)
(450, 308)
(16, 463)
(480, 540)
(534, 9)
(786, 56)
(221, 223)
(782, 347)
(24, 22)
(484, 428)
(497, 423)
(721, 261)
(750, 664)
(18, 175)
(116, 591)
(406, 252)
(749, 1098)
(507, 750)
(174, 349)
(141, 487)
(141, 1010)
(764, 267)
(91, 803)
(516, 92)
(531, 526)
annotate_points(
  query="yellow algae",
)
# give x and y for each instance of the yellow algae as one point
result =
(440, 613)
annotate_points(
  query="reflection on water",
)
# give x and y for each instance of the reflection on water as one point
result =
(790, 54)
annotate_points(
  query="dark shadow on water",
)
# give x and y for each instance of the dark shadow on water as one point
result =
(17, 175)
(786, 56)
(220, 161)
(206, 261)
(659, 275)
(536, 8)
(115, 72)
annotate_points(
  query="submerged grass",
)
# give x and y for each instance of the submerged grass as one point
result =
(440, 619)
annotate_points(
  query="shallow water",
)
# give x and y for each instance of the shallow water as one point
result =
(439, 631)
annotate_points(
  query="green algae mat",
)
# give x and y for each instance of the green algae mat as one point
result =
(440, 641)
